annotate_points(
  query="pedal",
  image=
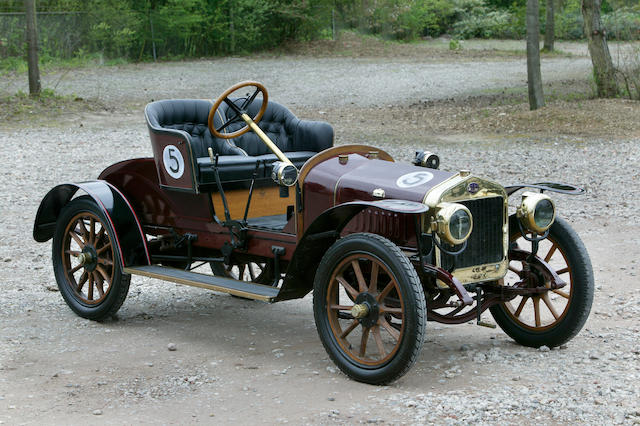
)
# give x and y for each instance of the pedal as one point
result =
(486, 324)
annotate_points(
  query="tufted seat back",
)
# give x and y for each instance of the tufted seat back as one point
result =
(238, 157)
(278, 123)
(190, 116)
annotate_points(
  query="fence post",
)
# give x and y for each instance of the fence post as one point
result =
(32, 47)
(333, 24)
(153, 37)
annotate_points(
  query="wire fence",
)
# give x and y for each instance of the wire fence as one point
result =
(136, 36)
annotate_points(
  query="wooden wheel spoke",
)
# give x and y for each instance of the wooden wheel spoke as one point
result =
(536, 310)
(386, 291)
(103, 248)
(388, 310)
(73, 252)
(362, 285)
(562, 271)
(75, 268)
(83, 229)
(252, 274)
(103, 273)
(561, 293)
(550, 253)
(378, 338)
(547, 301)
(340, 308)
(90, 289)
(363, 341)
(373, 282)
(349, 289)
(103, 261)
(92, 230)
(99, 285)
(83, 279)
(99, 235)
(349, 329)
(76, 238)
(392, 331)
(521, 306)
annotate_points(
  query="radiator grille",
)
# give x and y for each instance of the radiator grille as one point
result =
(485, 243)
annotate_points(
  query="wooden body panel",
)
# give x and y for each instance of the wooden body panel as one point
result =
(265, 201)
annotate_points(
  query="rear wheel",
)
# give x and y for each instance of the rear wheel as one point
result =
(86, 261)
(369, 308)
(555, 316)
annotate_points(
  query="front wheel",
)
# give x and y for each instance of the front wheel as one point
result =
(86, 261)
(557, 315)
(369, 308)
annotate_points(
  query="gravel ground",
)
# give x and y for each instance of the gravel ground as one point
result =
(246, 362)
(336, 81)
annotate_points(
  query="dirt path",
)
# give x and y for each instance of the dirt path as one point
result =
(247, 362)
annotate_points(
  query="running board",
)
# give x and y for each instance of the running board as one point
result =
(244, 289)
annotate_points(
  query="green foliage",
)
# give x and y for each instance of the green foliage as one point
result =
(454, 44)
(477, 20)
(131, 30)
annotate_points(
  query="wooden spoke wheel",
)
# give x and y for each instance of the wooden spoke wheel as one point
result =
(86, 261)
(255, 272)
(369, 308)
(555, 316)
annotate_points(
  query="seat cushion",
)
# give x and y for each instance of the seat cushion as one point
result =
(237, 168)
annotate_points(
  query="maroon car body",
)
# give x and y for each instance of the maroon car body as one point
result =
(384, 246)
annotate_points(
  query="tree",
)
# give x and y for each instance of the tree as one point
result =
(534, 77)
(32, 47)
(603, 70)
(550, 27)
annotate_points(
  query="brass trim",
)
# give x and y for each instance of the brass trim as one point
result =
(262, 135)
(526, 211)
(453, 190)
(360, 310)
(183, 281)
(443, 220)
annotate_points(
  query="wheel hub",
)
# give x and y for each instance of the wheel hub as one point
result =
(366, 309)
(88, 258)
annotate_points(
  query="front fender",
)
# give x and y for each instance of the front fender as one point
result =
(322, 233)
(116, 208)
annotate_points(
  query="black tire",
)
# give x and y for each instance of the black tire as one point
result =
(574, 301)
(398, 297)
(102, 266)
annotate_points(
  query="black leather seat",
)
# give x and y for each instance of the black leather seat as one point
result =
(238, 157)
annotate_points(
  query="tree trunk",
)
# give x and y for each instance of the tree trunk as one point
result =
(534, 77)
(550, 27)
(32, 47)
(603, 70)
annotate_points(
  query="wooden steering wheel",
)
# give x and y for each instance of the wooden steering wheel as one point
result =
(239, 110)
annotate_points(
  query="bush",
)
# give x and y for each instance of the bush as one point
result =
(476, 20)
(623, 24)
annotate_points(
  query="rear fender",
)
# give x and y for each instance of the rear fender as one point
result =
(322, 233)
(116, 208)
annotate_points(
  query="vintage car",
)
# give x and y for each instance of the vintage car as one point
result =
(265, 207)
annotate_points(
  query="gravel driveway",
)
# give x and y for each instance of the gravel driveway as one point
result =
(247, 362)
(313, 82)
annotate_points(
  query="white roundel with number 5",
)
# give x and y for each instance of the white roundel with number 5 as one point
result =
(173, 161)
(414, 179)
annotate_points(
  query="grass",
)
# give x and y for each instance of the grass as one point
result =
(14, 65)
(48, 104)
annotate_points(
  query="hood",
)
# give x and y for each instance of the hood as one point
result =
(397, 180)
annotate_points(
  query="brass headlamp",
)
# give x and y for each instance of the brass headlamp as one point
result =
(453, 222)
(536, 212)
